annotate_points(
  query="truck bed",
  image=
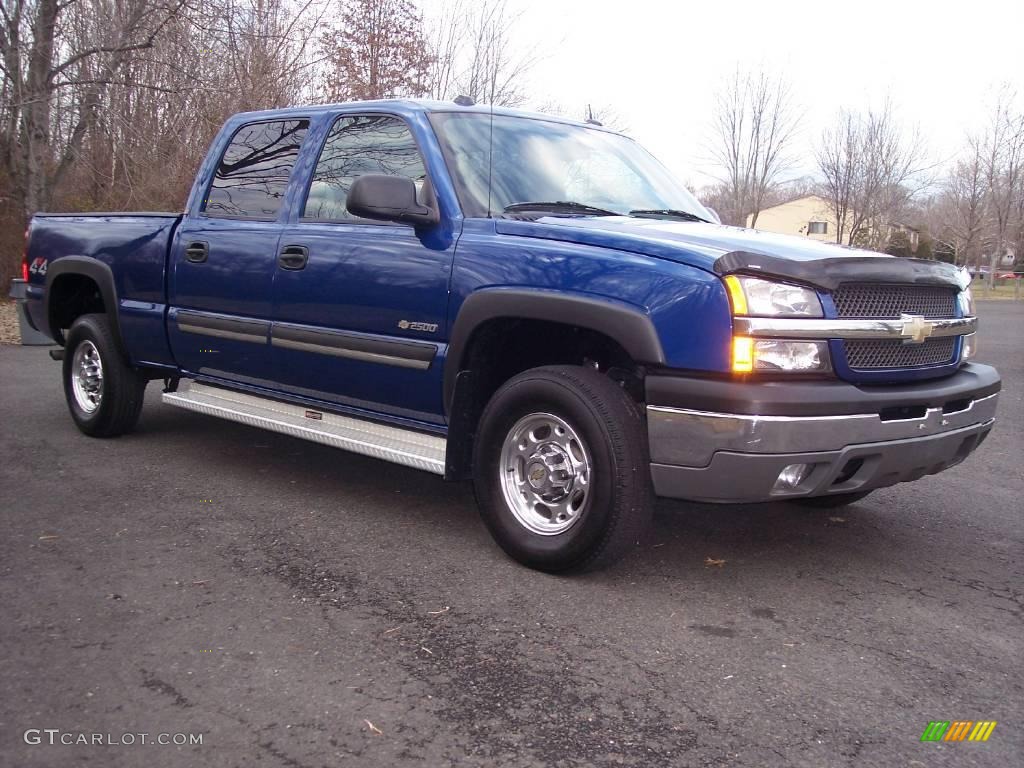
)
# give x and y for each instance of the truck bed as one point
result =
(138, 242)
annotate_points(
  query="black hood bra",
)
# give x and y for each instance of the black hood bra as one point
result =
(829, 273)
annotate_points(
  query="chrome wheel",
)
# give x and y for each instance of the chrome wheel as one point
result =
(87, 376)
(545, 474)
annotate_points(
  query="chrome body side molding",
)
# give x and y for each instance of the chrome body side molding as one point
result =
(237, 329)
(404, 354)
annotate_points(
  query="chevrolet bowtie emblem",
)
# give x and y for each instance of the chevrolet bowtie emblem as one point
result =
(915, 329)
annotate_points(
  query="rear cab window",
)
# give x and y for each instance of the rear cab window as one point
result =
(252, 177)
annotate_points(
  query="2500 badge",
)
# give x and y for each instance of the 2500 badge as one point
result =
(405, 325)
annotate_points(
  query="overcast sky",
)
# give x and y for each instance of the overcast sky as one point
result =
(659, 63)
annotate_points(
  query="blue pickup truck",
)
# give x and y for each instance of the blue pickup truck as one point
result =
(531, 303)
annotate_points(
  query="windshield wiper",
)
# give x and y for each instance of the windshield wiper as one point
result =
(667, 213)
(560, 206)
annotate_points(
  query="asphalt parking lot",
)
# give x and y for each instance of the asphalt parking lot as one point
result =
(303, 607)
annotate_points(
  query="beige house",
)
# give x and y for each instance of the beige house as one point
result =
(807, 216)
(913, 234)
(810, 216)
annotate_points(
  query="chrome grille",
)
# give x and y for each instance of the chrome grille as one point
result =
(874, 354)
(890, 301)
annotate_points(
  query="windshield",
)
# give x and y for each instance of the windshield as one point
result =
(538, 160)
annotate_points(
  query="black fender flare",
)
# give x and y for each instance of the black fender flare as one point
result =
(100, 274)
(629, 326)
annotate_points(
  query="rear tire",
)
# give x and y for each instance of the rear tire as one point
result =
(561, 470)
(834, 501)
(104, 393)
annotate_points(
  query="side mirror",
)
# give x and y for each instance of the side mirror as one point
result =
(391, 198)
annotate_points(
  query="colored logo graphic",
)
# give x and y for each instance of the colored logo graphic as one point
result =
(958, 730)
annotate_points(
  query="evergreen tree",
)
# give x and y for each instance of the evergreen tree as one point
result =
(899, 244)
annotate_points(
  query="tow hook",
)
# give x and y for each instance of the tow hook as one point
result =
(57, 354)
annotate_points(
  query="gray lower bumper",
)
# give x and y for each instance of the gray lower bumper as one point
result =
(722, 457)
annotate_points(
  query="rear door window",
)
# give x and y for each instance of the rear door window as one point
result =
(252, 177)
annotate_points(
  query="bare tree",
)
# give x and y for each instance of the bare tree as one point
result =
(962, 207)
(604, 115)
(1018, 239)
(871, 169)
(1002, 162)
(446, 35)
(209, 62)
(267, 50)
(608, 116)
(841, 168)
(475, 54)
(110, 104)
(39, 66)
(496, 71)
(379, 50)
(755, 123)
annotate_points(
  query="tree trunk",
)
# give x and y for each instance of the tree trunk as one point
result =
(994, 263)
(35, 120)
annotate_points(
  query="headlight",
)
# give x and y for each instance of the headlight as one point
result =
(765, 298)
(754, 296)
(966, 302)
(768, 355)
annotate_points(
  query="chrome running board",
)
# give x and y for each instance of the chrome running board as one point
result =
(401, 446)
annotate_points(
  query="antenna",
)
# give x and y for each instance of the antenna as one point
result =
(490, 160)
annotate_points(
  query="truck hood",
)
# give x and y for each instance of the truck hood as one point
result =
(723, 249)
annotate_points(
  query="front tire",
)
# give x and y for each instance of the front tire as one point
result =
(104, 393)
(561, 469)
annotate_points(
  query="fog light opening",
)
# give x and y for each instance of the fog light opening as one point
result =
(849, 470)
(790, 478)
(969, 346)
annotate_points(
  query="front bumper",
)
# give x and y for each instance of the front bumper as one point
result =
(854, 438)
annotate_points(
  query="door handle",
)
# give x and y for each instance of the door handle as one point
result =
(197, 252)
(293, 257)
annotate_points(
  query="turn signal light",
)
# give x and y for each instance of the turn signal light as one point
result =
(736, 295)
(742, 354)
